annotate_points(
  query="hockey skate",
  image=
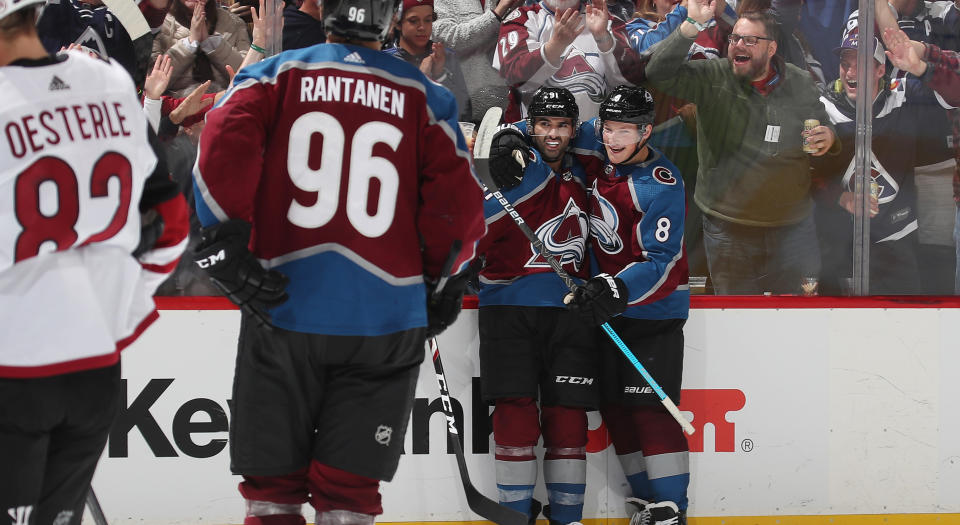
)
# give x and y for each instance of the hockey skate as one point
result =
(662, 513)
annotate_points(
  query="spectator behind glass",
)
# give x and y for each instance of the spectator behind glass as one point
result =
(552, 43)
(897, 141)
(937, 23)
(753, 180)
(90, 24)
(413, 45)
(303, 26)
(202, 40)
(469, 29)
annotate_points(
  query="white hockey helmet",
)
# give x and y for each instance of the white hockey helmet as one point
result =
(8, 7)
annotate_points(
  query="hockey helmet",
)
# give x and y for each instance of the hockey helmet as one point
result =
(8, 7)
(553, 102)
(628, 104)
(359, 19)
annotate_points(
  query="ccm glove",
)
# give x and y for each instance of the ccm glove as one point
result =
(224, 255)
(509, 156)
(444, 307)
(599, 299)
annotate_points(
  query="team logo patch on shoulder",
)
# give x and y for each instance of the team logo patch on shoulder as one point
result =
(513, 14)
(664, 176)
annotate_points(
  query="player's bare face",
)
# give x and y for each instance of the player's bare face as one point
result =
(551, 136)
(558, 6)
(620, 139)
(750, 61)
(416, 27)
(189, 4)
(848, 74)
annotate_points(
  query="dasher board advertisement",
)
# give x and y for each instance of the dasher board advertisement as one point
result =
(797, 412)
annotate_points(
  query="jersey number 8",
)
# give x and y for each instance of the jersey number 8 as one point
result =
(325, 180)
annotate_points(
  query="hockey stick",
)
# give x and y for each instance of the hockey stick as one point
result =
(95, 511)
(478, 503)
(481, 161)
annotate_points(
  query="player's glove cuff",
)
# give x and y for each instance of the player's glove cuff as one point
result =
(599, 299)
(509, 156)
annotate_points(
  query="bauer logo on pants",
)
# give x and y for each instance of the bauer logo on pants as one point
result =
(383, 434)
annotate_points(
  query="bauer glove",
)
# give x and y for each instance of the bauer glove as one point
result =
(509, 156)
(599, 299)
(224, 255)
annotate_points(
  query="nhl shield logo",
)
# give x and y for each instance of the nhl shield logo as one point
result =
(567, 176)
(383, 435)
(608, 169)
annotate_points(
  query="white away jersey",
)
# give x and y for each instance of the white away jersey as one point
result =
(73, 161)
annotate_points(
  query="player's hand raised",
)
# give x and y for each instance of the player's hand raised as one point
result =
(509, 156)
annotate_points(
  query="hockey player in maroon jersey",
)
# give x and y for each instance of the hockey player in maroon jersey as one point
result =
(551, 43)
(530, 347)
(332, 182)
(636, 235)
(77, 270)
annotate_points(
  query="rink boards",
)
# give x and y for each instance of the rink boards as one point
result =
(803, 415)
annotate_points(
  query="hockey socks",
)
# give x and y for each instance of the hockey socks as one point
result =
(275, 500)
(652, 450)
(332, 489)
(565, 461)
(516, 430)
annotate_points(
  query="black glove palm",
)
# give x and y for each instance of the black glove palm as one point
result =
(599, 299)
(223, 254)
(509, 156)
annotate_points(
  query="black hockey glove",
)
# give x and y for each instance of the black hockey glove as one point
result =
(444, 307)
(509, 156)
(599, 299)
(224, 255)
(151, 228)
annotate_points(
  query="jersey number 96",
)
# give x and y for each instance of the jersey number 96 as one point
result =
(326, 179)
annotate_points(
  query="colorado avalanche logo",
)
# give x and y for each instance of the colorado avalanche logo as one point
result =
(887, 187)
(565, 236)
(664, 176)
(604, 228)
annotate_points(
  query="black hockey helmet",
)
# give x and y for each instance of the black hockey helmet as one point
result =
(628, 104)
(553, 102)
(360, 19)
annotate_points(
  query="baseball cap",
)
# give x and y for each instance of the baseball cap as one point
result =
(409, 4)
(850, 42)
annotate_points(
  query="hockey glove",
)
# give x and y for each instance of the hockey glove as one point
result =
(444, 307)
(151, 228)
(599, 299)
(509, 156)
(224, 255)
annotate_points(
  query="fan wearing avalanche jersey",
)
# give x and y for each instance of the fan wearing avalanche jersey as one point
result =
(332, 182)
(551, 43)
(636, 235)
(78, 265)
(529, 343)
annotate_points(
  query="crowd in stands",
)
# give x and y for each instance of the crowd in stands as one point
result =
(760, 218)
